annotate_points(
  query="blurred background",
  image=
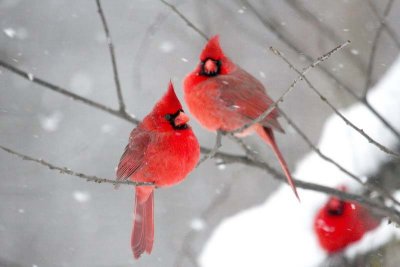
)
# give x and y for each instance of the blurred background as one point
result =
(50, 219)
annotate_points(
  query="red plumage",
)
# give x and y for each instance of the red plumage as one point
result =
(222, 96)
(340, 223)
(162, 149)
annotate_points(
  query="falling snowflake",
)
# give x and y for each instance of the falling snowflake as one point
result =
(221, 167)
(81, 196)
(197, 224)
(166, 47)
(355, 51)
(50, 123)
(10, 32)
(107, 128)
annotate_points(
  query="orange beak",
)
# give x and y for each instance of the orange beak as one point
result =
(181, 119)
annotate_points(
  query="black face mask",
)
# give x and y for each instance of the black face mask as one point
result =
(171, 119)
(211, 73)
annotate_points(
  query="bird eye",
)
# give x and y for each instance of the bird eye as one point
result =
(168, 117)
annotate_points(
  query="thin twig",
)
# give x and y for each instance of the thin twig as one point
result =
(374, 47)
(392, 213)
(289, 89)
(325, 70)
(30, 77)
(65, 170)
(226, 157)
(363, 200)
(290, 44)
(214, 150)
(324, 99)
(285, 40)
(184, 18)
(372, 187)
(392, 33)
(246, 148)
(91, 103)
(323, 29)
(113, 58)
(295, 48)
(377, 206)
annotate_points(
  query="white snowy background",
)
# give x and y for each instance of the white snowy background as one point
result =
(47, 219)
(249, 238)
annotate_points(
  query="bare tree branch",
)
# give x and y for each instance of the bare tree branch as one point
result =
(370, 186)
(281, 37)
(323, 29)
(246, 148)
(365, 201)
(213, 151)
(392, 213)
(295, 48)
(382, 209)
(185, 19)
(374, 47)
(91, 103)
(289, 89)
(388, 28)
(121, 102)
(270, 108)
(30, 77)
(65, 170)
(224, 156)
(290, 44)
(324, 99)
(228, 158)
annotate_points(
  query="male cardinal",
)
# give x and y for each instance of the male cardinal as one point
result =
(223, 96)
(162, 150)
(339, 223)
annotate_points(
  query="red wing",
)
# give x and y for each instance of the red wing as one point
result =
(133, 156)
(246, 95)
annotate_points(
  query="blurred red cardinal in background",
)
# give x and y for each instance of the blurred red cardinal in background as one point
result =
(222, 96)
(340, 223)
(163, 150)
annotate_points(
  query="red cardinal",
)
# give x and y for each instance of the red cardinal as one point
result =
(222, 96)
(340, 223)
(163, 150)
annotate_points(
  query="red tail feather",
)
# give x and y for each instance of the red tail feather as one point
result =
(143, 225)
(268, 136)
